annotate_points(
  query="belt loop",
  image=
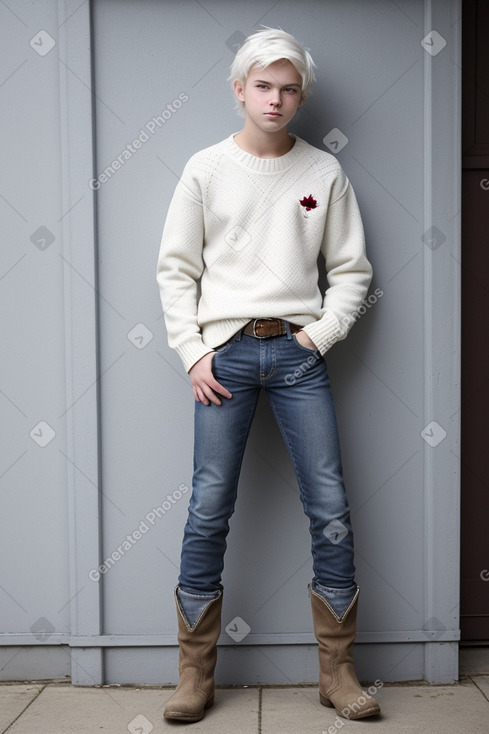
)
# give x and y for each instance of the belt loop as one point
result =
(287, 329)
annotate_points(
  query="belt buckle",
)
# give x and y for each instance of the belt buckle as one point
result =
(264, 318)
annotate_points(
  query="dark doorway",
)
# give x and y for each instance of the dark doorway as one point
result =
(474, 598)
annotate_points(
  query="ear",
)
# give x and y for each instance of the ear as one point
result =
(302, 101)
(238, 90)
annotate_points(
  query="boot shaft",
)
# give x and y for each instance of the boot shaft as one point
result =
(197, 661)
(331, 632)
(338, 682)
(198, 645)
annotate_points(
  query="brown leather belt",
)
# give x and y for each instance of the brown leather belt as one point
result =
(266, 327)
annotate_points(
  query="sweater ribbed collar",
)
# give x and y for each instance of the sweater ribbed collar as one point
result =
(265, 165)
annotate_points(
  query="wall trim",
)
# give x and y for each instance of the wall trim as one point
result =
(442, 339)
(270, 638)
(81, 324)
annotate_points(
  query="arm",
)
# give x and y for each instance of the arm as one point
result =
(348, 270)
(180, 265)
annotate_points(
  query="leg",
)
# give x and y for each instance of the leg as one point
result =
(300, 395)
(219, 443)
(220, 436)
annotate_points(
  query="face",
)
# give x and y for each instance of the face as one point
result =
(271, 95)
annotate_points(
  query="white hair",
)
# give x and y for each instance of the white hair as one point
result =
(264, 48)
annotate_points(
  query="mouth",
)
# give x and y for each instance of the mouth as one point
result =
(273, 114)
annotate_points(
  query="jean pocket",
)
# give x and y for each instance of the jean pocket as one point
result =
(224, 347)
(302, 347)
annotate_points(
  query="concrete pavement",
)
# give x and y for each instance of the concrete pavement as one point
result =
(57, 707)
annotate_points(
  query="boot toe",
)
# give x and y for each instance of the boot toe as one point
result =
(359, 708)
(188, 710)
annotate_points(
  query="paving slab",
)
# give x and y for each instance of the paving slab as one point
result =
(14, 698)
(60, 708)
(482, 682)
(235, 711)
(66, 709)
(408, 709)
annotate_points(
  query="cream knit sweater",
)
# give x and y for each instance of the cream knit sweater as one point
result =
(237, 244)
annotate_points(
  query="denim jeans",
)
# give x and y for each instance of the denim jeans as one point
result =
(295, 380)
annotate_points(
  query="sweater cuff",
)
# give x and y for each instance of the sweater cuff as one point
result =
(191, 351)
(325, 332)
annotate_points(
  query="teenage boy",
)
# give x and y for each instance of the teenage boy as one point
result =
(246, 224)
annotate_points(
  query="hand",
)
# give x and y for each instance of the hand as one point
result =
(303, 338)
(204, 384)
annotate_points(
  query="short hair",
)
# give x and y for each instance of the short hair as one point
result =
(264, 48)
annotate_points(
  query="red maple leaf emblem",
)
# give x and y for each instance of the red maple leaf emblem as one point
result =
(309, 202)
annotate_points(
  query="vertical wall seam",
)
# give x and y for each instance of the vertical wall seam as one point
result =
(81, 346)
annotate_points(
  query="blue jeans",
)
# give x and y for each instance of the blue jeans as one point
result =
(296, 382)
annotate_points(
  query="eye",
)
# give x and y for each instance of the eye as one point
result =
(262, 86)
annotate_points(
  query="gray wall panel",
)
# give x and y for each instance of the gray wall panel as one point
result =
(89, 329)
(34, 529)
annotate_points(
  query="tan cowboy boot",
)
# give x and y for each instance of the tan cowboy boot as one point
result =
(197, 660)
(338, 683)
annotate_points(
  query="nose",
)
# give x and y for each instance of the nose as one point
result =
(275, 99)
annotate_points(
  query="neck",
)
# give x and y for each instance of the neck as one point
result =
(263, 144)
